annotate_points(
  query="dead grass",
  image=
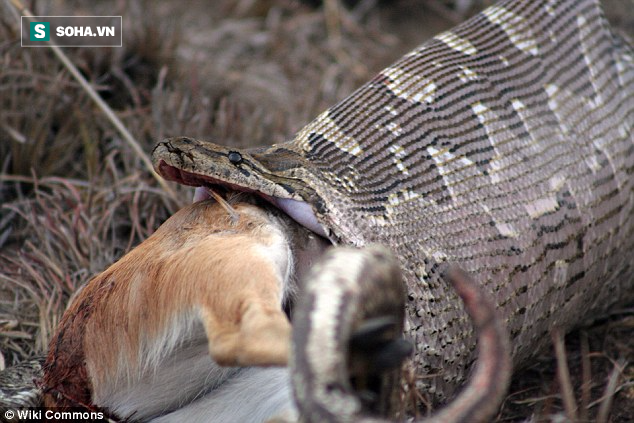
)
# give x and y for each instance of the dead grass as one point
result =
(74, 197)
(601, 388)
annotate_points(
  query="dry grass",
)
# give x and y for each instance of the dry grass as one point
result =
(74, 197)
(601, 377)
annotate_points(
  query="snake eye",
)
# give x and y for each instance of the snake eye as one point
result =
(235, 157)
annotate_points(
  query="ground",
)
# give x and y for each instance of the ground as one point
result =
(74, 196)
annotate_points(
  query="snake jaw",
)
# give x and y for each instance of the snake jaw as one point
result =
(300, 211)
(173, 173)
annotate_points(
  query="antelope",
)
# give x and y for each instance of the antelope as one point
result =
(160, 334)
(151, 337)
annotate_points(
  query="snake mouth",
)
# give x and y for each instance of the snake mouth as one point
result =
(299, 211)
(204, 182)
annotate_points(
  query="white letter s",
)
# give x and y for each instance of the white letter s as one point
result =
(39, 31)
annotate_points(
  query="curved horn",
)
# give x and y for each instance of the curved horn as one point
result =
(355, 293)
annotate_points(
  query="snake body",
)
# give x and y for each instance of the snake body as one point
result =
(505, 146)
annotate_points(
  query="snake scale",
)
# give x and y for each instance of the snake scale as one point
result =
(504, 146)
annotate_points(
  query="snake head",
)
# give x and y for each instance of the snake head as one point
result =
(275, 174)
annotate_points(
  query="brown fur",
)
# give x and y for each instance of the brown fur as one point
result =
(198, 265)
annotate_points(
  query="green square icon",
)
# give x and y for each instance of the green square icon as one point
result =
(39, 31)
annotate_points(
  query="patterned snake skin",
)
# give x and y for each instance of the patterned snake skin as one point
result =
(504, 146)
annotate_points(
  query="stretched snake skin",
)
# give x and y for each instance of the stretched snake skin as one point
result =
(504, 146)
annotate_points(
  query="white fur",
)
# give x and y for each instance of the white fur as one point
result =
(189, 387)
(185, 374)
(252, 395)
(280, 254)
